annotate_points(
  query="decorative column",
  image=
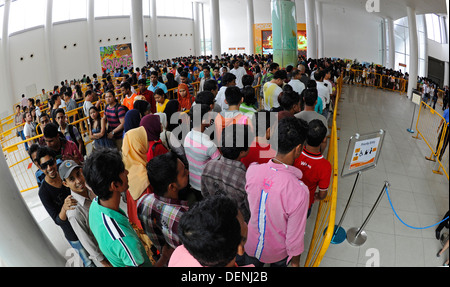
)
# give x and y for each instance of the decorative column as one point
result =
(311, 33)
(284, 33)
(251, 24)
(320, 40)
(22, 242)
(153, 45)
(197, 29)
(413, 51)
(215, 28)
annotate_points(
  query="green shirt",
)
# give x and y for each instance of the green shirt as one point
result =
(116, 237)
(246, 109)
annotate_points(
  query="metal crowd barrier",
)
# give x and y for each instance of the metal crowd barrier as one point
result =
(326, 214)
(432, 128)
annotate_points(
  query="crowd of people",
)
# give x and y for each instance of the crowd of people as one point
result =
(210, 176)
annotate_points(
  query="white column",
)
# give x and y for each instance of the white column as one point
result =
(311, 34)
(320, 39)
(9, 99)
(446, 74)
(49, 53)
(250, 23)
(413, 50)
(391, 39)
(137, 34)
(197, 29)
(94, 52)
(153, 45)
(424, 21)
(215, 28)
(383, 44)
(22, 242)
(203, 29)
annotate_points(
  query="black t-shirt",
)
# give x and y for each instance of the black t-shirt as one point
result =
(53, 199)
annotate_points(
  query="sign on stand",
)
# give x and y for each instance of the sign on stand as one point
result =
(363, 152)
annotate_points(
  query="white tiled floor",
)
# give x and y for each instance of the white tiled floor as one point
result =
(420, 197)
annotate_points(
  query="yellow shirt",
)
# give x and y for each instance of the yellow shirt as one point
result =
(161, 107)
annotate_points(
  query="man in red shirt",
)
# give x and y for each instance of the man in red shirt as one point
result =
(148, 95)
(315, 168)
(260, 150)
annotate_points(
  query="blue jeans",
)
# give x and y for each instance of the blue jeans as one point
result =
(84, 255)
(22, 136)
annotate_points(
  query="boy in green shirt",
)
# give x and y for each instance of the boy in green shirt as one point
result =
(106, 175)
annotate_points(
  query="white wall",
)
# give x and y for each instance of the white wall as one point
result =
(350, 34)
(72, 62)
(437, 50)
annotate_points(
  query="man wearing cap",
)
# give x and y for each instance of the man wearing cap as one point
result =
(72, 177)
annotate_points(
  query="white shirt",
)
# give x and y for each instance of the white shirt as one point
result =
(323, 93)
(297, 85)
(239, 73)
(29, 130)
(329, 86)
(220, 98)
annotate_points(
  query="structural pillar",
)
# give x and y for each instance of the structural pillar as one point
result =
(94, 55)
(251, 24)
(137, 34)
(215, 28)
(311, 33)
(22, 242)
(413, 51)
(197, 29)
(8, 99)
(391, 40)
(320, 39)
(153, 45)
(383, 43)
(48, 36)
(446, 74)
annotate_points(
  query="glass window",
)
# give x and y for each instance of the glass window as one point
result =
(433, 27)
(26, 14)
(105, 8)
(174, 8)
(64, 10)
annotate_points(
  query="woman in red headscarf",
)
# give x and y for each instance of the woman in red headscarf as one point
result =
(185, 98)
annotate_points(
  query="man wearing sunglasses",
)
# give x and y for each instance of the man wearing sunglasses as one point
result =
(57, 200)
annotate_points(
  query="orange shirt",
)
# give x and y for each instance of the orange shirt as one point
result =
(129, 102)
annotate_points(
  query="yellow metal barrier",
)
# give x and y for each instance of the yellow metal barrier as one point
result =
(326, 213)
(427, 127)
(377, 80)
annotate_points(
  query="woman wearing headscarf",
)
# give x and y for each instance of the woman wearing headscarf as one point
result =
(172, 107)
(134, 154)
(132, 120)
(185, 98)
(152, 126)
(143, 107)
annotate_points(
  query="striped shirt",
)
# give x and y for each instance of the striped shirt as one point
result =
(199, 150)
(116, 237)
(160, 217)
(113, 120)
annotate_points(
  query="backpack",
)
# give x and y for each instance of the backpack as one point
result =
(74, 139)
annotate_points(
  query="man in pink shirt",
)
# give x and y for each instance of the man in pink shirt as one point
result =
(278, 201)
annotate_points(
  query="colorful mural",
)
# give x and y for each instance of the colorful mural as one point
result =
(116, 56)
